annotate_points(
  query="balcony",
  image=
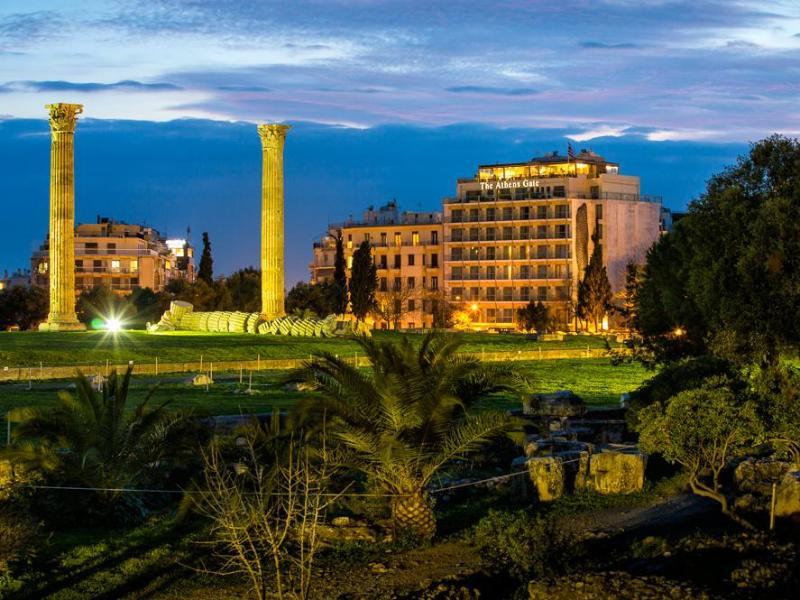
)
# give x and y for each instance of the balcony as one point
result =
(500, 259)
(577, 195)
(530, 238)
(501, 277)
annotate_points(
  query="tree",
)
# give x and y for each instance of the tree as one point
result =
(441, 308)
(728, 274)
(340, 277)
(628, 309)
(265, 511)
(407, 417)
(24, 307)
(206, 270)
(594, 290)
(245, 289)
(363, 282)
(702, 429)
(318, 298)
(534, 316)
(392, 305)
(91, 439)
(200, 294)
(101, 303)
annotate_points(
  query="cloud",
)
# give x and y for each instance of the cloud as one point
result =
(71, 86)
(496, 91)
(604, 46)
(243, 88)
(598, 132)
(22, 28)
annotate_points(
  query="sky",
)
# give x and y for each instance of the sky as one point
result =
(387, 99)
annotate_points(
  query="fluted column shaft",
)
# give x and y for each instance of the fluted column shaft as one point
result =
(63, 118)
(272, 137)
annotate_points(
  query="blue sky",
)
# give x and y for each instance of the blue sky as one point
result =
(671, 89)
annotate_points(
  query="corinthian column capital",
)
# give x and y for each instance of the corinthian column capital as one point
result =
(63, 117)
(272, 134)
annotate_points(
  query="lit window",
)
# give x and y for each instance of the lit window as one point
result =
(115, 265)
(43, 267)
(134, 266)
(415, 238)
(349, 261)
(398, 239)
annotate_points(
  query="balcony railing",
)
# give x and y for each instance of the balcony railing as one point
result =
(519, 197)
(483, 257)
(123, 252)
(532, 237)
(504, 219)
(501, 277)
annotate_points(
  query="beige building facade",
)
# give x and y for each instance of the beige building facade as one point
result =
(512, 233)
(121, 257)
(407, 250)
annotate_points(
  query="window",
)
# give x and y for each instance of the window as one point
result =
(490, 252)
(491, 234)
(384, 260)
(434, 283)
(398, 239)
(490, 214)
(541, 293)
(524, 232)
(523, 252)
(349, 262)
(434, 238)
(561, 231)
(458, 293)
(411, 260)
(397, 259)
(505, 252)
(559, 191)
(384, 287)
(508, 233)
(491, 293)
(134, 266)
(398, 307)
(457, 254)
(434, 260)
(541, 252)
(383, 238)
(508, 294)
(457, 235)
(411, 283)
(115, 266)
(562, 251)
(491, 315)
(457, 273)
(562, 211)
(97, 265)
(507, 214)
(398, 284)
(598, 211)
(349, 240)
(415, 238)
(541, 232)
(541, 212)
(90, 245)
(366, 237)
(490, 272)
(525, 272)
(473, 253)
(474, 234)
(599, 231)
(541, 272)
(412, 306)
(474, 293)
(474, 273)
(112, 248)
(474, 215)
(508, 315)
(457, 216)
(78, 267)
(525, 212)
(525, 293)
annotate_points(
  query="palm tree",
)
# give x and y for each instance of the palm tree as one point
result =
(405, 420)
(90, 439)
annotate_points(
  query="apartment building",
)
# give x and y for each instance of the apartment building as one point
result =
(517, 232)
(121, 256)
(407, 250)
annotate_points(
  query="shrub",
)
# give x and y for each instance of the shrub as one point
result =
(19, 532)
(524, 544)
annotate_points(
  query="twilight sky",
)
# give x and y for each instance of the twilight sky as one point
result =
(383, 93)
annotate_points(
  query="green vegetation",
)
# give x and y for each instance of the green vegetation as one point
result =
(28, 349)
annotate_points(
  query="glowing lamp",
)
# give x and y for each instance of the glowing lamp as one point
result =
(113, 325)
(474, 307)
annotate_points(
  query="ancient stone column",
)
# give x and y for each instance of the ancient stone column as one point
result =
(272, 242)
(63, 118)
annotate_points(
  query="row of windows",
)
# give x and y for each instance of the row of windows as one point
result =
(411, 260)
(397, 239)
(510, 294)
(102, 266)
(524, 232)
(492, 272)
(509, 252)
(520, 193)
(510, 213)
(410, 283)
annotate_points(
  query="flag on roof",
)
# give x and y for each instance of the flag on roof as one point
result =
(570, 151)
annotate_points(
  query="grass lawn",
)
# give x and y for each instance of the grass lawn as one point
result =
(597, 381)
(28, 349)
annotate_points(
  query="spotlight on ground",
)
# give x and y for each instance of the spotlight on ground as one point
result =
(113, 325)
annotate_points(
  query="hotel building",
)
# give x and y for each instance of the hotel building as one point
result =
(513, 233)
(407, 250)
(517, 232)
(121, 257)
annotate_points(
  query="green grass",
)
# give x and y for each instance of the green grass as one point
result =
(28, 349)
(597, 381)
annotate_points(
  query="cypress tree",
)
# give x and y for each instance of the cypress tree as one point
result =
(339, 278)
(594, 290)
(206, 271)
(363, 282)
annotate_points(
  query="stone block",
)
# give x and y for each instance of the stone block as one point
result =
(547, 476)
(201, 379)
(616, 470)
(787, 495)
